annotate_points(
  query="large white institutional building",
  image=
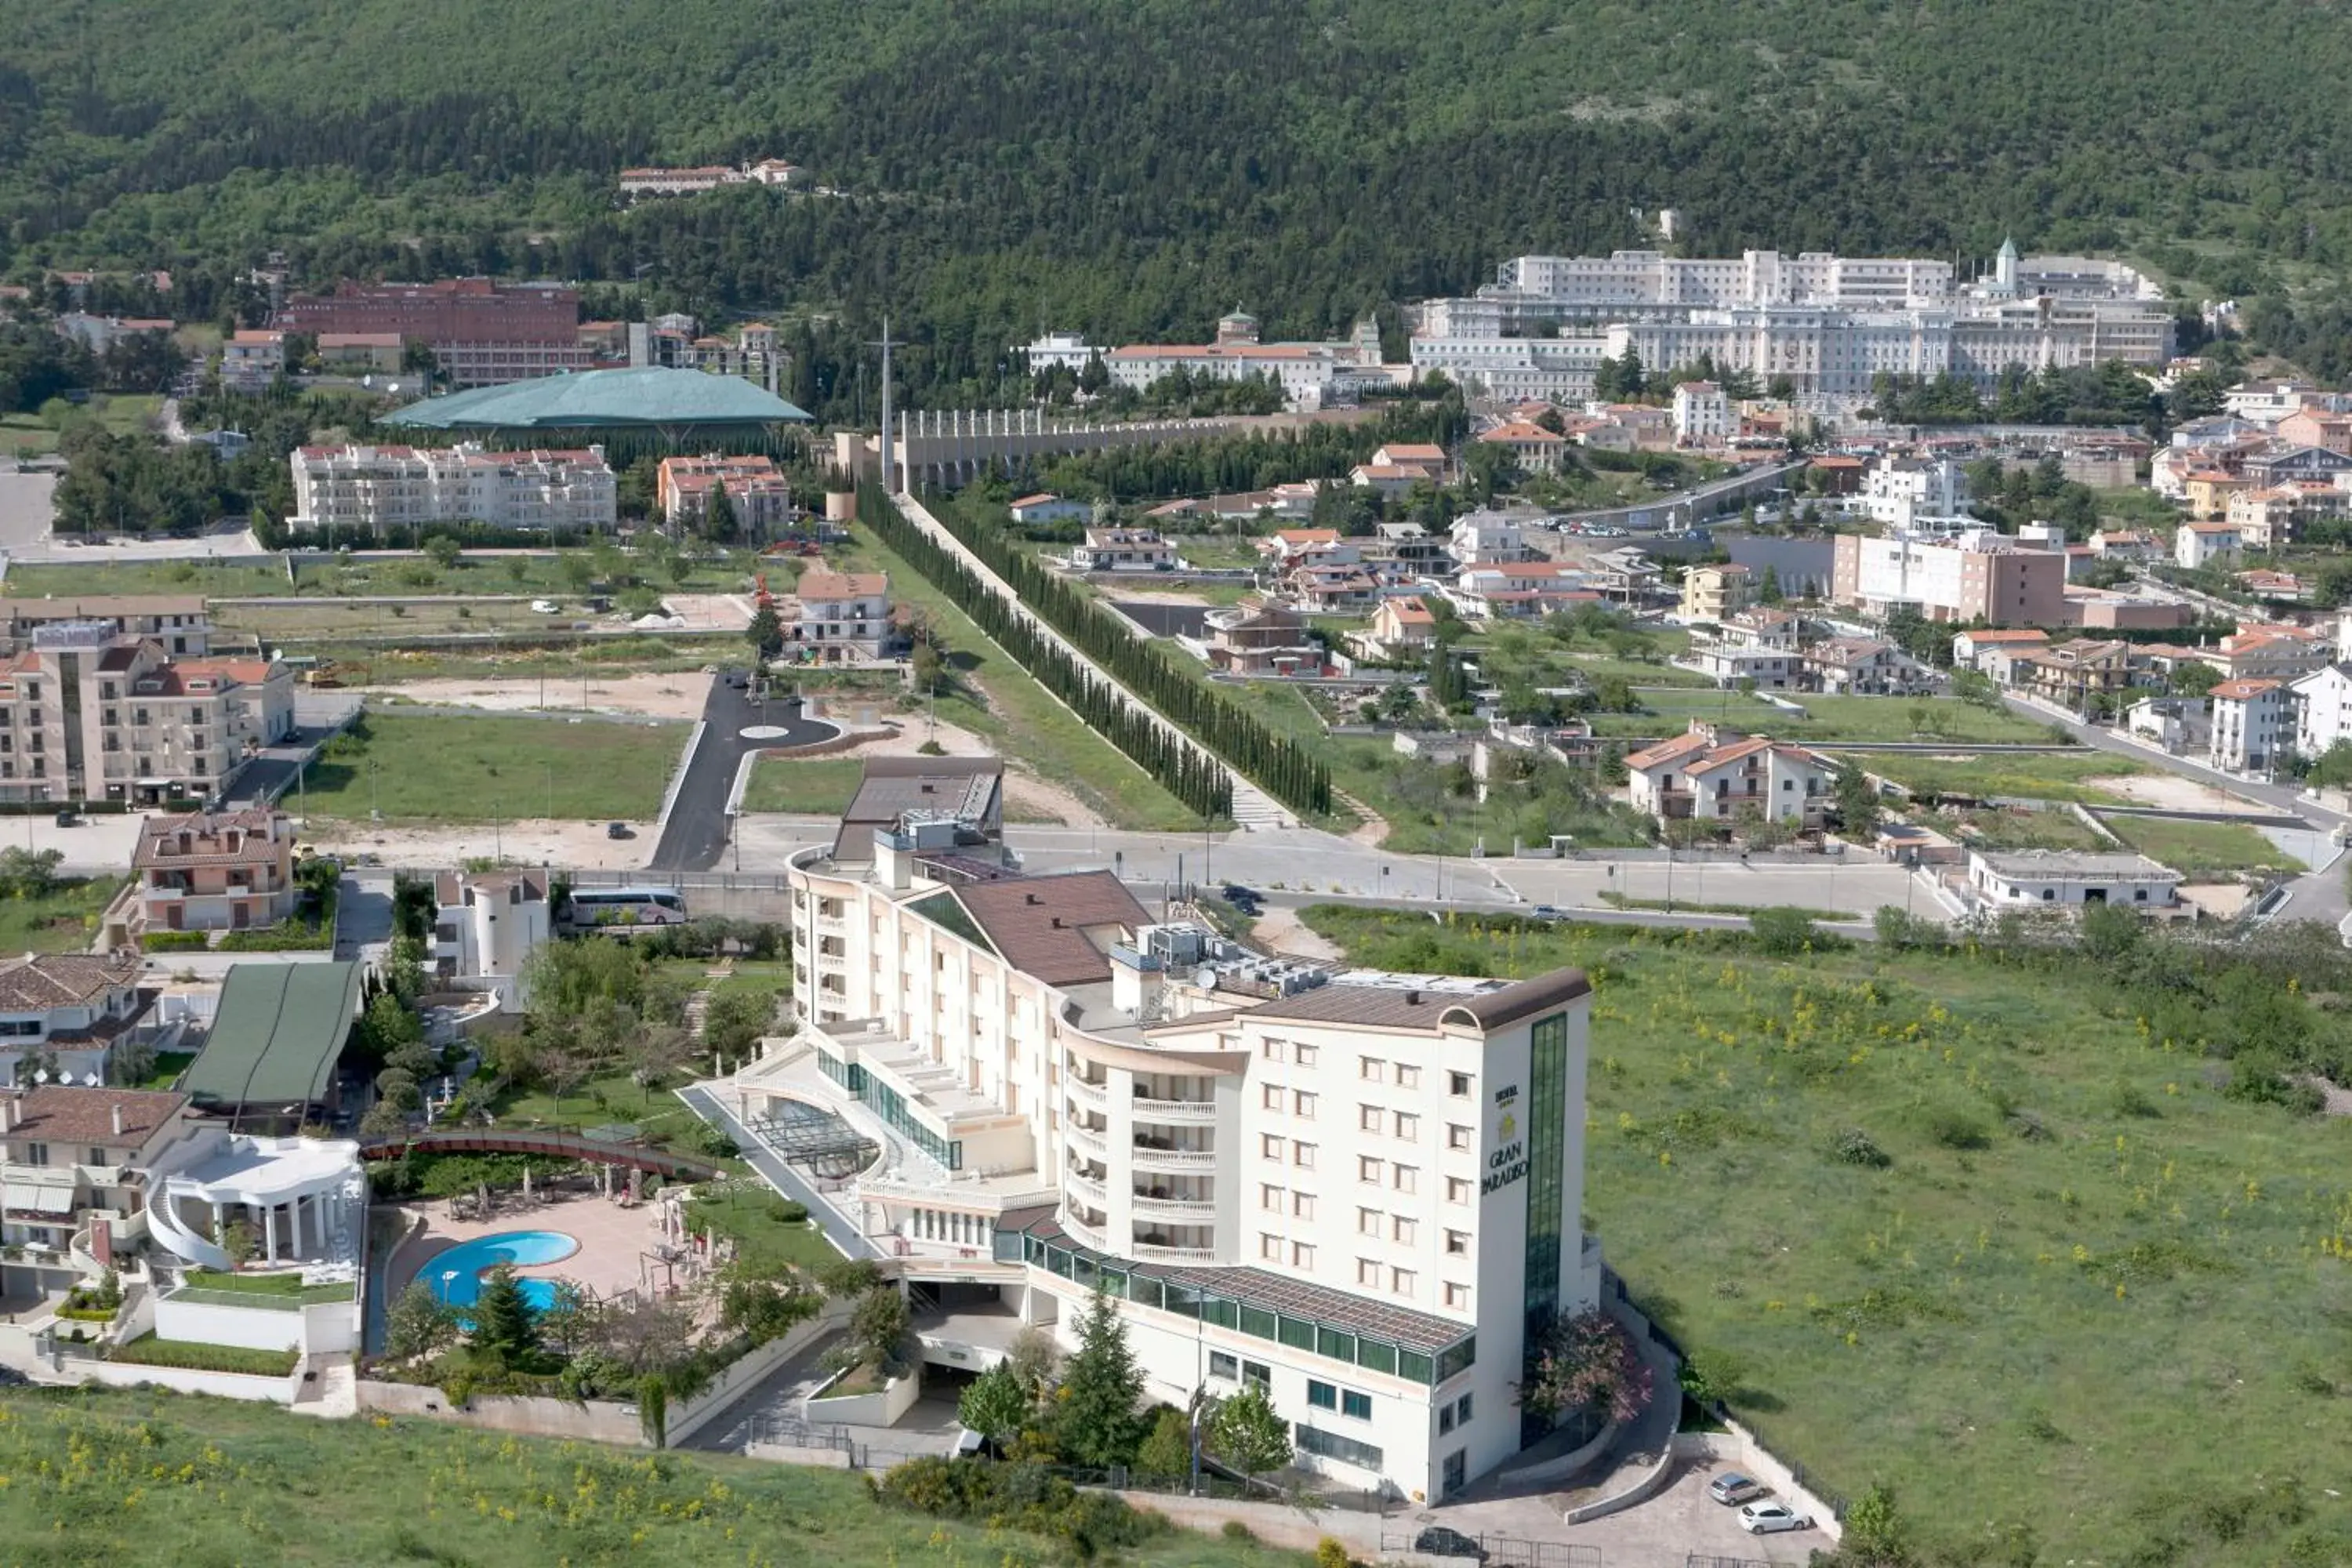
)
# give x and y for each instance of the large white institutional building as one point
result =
(369, 488)
(1361, 1191)
(1827, 323)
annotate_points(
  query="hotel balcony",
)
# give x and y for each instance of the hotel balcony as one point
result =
(1191, 1112)
(1090, 1095)
(1086, 1140)
(1085, 1187)
(1146, 1157)
(1174, 1208)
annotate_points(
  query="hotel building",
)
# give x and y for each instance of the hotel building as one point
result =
(1359, 1191)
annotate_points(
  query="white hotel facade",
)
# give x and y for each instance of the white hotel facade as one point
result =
(1362, 1193)
(369, 488)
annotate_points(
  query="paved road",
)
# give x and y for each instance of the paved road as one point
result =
(695, 836)
(714, 1110)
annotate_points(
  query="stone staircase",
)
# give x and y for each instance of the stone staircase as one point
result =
(698, 1006)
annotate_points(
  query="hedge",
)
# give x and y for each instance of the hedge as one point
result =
(173, 941)
(149, 1351)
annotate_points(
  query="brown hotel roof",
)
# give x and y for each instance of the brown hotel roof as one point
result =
(1046, 926)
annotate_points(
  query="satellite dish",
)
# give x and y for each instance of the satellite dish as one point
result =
(90, 1078)
(41, 1076)
(1206, 977)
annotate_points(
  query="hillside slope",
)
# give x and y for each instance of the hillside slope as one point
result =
(1137, 168)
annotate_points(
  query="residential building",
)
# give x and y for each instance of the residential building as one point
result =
(2312, 425)
(1732, 664)
(485, 924)
(2268, 652)
(2206, 491)
(89, 714)
(1406, 550)
(177, 621)
(838, 617)
(2128, 544)
(1523, 589)
(2281, 463)
(1713, 592)
(758, 493)
(1971, 647)
(1076, 1098)
(2026, 877)
(2272, 517)
(2253, 725)
(216, 871)
(1402, 627)
(1330, 590)
(1488, 539)
(1420, 453)
(250, 360)
(2276, 587)
(369, 490)
(1288, 547)
(1534, 448)
(1975, 575)
(1719, 775)
(359, 351)
(1760, 627)
(2196, 544)
(62, 1013)
(1391, 481)
(1050, 508)
(2072, 673)
(2178, 724)
(1123, 549)
(2265, 403)
(1702, 413)
(481, 333)
(1863, 667)
(2323, 709)
(1900, 493)
(1260, 638)
(74, 1162)
(1626, 575)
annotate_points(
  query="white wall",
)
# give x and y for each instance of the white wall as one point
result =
(182, 1379)
(252, 1327)
(882, 1409)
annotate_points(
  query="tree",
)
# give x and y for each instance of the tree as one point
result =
(1101, 1389)
(2332, 769)
(764, 1309)
(719, 523)
(736, 1019)
(239, 1242)
(444, 551)
(1168, 1451)
(2193, 678)
(420, 1324)
(995, 1404)
(1585, 1363)
(1857, 802)
(1247, 1433)
(1768, 590)
(29, 873)
(505, 1327)
(766, 632)
(926, 668)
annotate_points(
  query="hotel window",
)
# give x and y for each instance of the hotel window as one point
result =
(1303, 1155)
(1225, 1366)
(1403, 1230)
(1408, 1076)
(1357, 1406)
(1368, 1222)
(1369, 1068)
(1270, 1146)
(1368, 1169)
(1457, 1136)
(1462, 1408)
(1407, 1178)
(1302, 1255)
(1302, 1205)
(1302, 1104)
(1322, 1395)
(1304, 1056)
(1445, 1418)
(1368, 1118)
(1457, 1244)
(1269, 1248)
(1457, 1296)
(1368, 1272)
(1256, 1372)
(1270, 1097)
(1407, 1125)
(1403, 1281)
(1269, 1197)
(1270, 1050)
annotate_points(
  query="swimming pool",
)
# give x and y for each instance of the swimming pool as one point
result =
(456, 1275)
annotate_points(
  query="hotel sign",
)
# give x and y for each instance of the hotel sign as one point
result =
(1508, 1162)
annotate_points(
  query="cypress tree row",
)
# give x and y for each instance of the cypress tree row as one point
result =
(1285, 769)
(1181, 767)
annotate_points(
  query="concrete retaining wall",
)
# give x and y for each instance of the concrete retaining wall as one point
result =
(789, 1453)
(256, 1328)
(273, 1390)
(896, 1397)
(600, 1421)
(738, 1376)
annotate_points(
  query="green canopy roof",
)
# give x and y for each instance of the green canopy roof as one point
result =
(275, 1040)
(602, 400)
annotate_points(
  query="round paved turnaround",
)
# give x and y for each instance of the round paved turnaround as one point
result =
(771, 733)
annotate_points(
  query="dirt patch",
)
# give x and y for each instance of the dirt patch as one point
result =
(527, 842)
(1028, 797)
(2222, 900)
(1282, 931)
(2175, 793)
(2332, 1101)
(1163, 597)
(677, 696)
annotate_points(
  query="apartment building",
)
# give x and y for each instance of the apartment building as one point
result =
(757, 491)
(251, 359)
(1978, 575)
(1716, 592)
(1360, 1195)
(216, 871)
(88, 714)
(1309, 374)
(367, 489)
(1863, 667)
(2323, 709)
(1903, 492)
(481, 333)
(839, 616)
(62, 1013)
(1714, 775)
(2253, 725)
(176, 621)
(1702, 413)
(70, 1157)
(1123, 549)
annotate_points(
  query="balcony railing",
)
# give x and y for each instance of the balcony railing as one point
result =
(832, 926)
(1092, 1142)
(1083, 1187)
(1188, 1111)
(1149, 1253)
(1175, 1208)
(1088, 1094)
(1085, 1236)
(1149, 1158)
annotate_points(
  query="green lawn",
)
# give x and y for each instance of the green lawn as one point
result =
(27, 434)
(145, 1479)
(1427, 817)
(999, 702)
(747, 1211)
(2029, 776)
(286, 1286)
(166, 1070)
(2201, 848)
(2089, 1297)
(538, 576)
(417, 768)
(2058, 829)
(1827, 719)
(562, 668)
(64, 922)
(71, 580)
(817, 786)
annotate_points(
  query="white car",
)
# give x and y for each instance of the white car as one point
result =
(544, 606)
(1764, 1518)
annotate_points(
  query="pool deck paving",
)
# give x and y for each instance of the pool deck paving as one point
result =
(618, 1246)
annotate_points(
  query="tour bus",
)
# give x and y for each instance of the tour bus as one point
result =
(623, 908)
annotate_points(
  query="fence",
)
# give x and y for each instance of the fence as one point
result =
(1708, 1560)
(1494, 1550)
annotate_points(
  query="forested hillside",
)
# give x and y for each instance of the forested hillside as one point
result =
(1134, 168)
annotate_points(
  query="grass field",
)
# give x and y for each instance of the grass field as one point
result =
(1827, 719)
(528, 575)
(143, 1479)
(1426, 818)
(420, 768)
(594, 658)
(2090, 1307)
(2201, 848)
(997, 700)
(816, 786)
(2030, 775)
(65, 921)
(29, 436)
(2058, 829)
(77, 579)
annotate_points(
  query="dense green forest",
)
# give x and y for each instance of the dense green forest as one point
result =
(1133, 169)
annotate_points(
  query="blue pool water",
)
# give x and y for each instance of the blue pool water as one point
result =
(456, 1275)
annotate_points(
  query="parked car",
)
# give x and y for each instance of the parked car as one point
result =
(618, 830)
(1546, 912)
(544, 606)
(1733, 1488)
(1765, 1517)
(1438, 1541)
